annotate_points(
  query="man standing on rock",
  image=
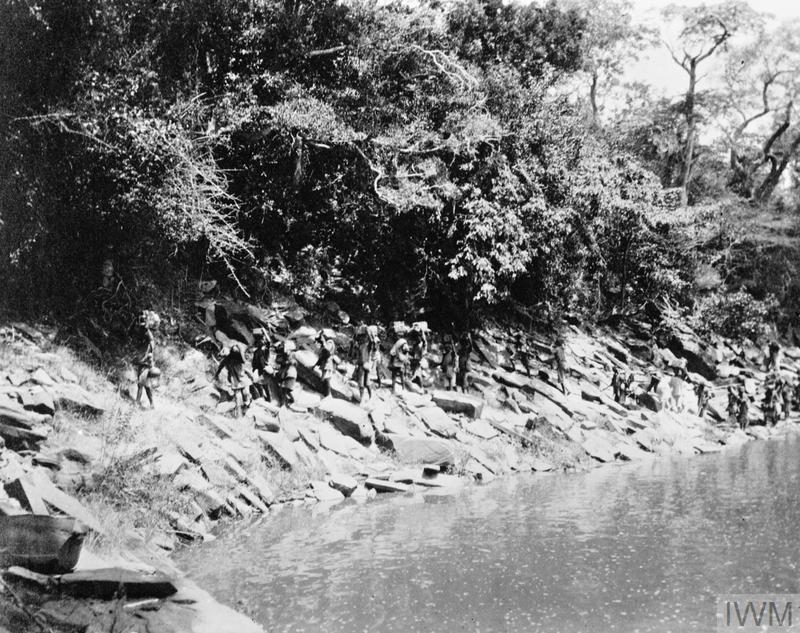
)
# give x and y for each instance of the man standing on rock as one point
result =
(233, 362)
(262, 363)
(449, 361)
(520, 351)
(287, 372)
(398, 362)
(147, 371)
(419, 347)
(560, 358)
(365, 355)
(325, 362)
(464, 353)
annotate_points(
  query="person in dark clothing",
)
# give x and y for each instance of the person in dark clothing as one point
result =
(774, 359)
(521, 352)
(287, 372)
(418, 342)
(365, 363)
(261, 364)
(702, 398)
(733, 404)
(742, 415)
(449, 361)
(616, 384)
(560, 357)
(233, 362)
(399, 362)
(464, 353)
(325, 361)
(787, 392)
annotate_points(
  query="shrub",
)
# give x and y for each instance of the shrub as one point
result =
(737, 315)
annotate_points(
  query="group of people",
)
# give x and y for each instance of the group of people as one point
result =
(781, 397)
(273, 376)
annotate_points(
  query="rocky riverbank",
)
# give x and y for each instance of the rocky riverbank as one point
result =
(144, 481)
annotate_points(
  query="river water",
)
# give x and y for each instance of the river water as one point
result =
(641, 547)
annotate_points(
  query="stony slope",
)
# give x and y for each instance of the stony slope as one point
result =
(143, 480)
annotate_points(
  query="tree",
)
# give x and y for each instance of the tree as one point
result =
(704, 30)
(611, 40)
(755, 108)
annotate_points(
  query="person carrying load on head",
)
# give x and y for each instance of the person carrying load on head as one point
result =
(325, 361)
(419, 347)
(775, 356)
(287, 372)
(521, 352)
(147, 371)
(398, 362)
(238, 375)
(449, 361)
(261, 364)
(367, 346)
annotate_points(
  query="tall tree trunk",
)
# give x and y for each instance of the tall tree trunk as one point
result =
(593, 96)
(771, 180)
(691, 123)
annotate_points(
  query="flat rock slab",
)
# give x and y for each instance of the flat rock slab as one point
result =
(482, 429)
(62, 501)
(438, 421)
(74, 396)
(38, 400)
(348, 418)
(591, 393)
(510, 379)
(343, 483)
(105, 584)
(14, 415)
(325, 493)
(541, 465)
(414, 450)
(383, 485)
(599, 448)
(333, 440)
(41, 377)
(456, 402)
(16, 437)
(280, 448)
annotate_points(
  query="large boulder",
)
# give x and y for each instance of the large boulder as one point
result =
(651, 401)
(75, 396)
(38, 400)
(424, 450)
(306, 360)
(438, 421)
(698, 361)
(348, 418)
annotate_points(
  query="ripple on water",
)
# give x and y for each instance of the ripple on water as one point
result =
(645, 547)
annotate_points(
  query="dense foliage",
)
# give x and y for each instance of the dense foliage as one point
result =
(403, 159)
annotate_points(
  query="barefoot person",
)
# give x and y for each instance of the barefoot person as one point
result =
(233, 362)
(147, 370)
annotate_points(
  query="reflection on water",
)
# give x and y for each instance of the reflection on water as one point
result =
(643, 547)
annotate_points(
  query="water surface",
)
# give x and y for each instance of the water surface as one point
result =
(640, 547)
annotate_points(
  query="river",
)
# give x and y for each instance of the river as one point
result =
(640, 547)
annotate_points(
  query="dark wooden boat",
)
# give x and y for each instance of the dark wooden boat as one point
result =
(41, 543)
